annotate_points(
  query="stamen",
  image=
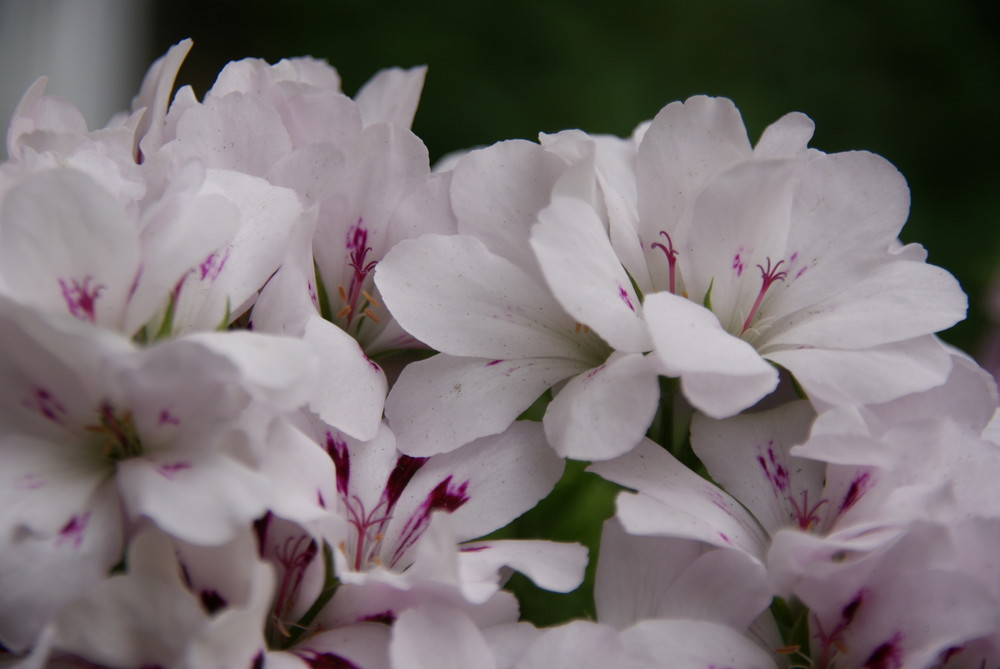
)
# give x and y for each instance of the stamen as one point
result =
(344, 310)
(671, 254)
(368, 312)
(371, 300)
(342, 293)
(767, 276)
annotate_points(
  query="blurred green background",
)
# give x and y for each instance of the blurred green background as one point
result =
(915, 81)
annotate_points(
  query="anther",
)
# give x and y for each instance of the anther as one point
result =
(368, 312)
(371, 300)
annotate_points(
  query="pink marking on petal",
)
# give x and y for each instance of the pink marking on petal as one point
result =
(29, 482)
(167, 418)
(738, 265)
(212, 266)
(859, 486)
(444, 497)
(43, 402)
(386, 617)
(72, 531)
(493, 362)
(623, 294)
(473, 549)
(81, 297)
(889, 655)
(169, 471)
(723, 536)
(594, 372)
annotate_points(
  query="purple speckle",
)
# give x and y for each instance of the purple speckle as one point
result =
(29, 482)
(167, 418)
(724, 537)
(473, 549)
(212, 266)
(774, 471)
(81, 297)
(493, 362)
(43, 402)
(623, 294)
(738, 264)
(169, 471)
(320, 500)
(72, 531)
(444, 497)
(801, 272)
(337, 448)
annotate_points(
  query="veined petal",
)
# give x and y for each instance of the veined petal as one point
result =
(748, 455)
(586, 276)
(867, 376)
(720, 374)
(674, 501)
(896, 301)
(457, 296)
(438, 404)
(497, 193)
(68, 247)
(604, 412)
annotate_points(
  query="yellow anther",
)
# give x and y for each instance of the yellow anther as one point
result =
(342, 293)
(368, 312)
(346, 309)
(371, 299)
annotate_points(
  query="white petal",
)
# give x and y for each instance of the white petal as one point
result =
(459, 297)
(605, 411)
(438, 404)
(692, 644)
(435, 637)
(748, 455)
(674, 501)
(391, 95)
(720, 374)
(866, 376)
(68, 247)
(586, 276)
(553, 566)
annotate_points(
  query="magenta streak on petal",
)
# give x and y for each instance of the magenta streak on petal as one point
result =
(592, 373)
(169, 471)
(29, 482)
(738, 265)
(81, 297)
(44, 402)
(312, 293)
(444, 497)
(625, 298)
(724, 537)
(212, 601)
(294, 556)
(212, 266)
(767, 276)
(830, 641)
(473, 549)
(320, 500)
(73, 530)
(859, 486)
(337, 448)
(801, 271)
(260, 528)
(887, 656)
(167, 418)
(671, 254)
(493, 362)
(386, 617)
(324, 660)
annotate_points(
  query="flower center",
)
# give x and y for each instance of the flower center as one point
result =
(118, 437)
(671, 254)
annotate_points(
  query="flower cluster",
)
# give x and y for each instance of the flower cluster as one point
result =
(269, 382)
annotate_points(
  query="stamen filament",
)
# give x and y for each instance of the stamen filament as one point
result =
(768, 276)
(671, 254)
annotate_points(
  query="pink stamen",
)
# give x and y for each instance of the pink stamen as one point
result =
(767, 276)
(671, 254)
(357, 244)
